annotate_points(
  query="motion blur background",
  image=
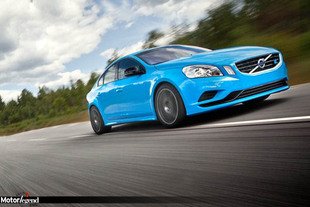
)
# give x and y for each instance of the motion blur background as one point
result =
(280, 24)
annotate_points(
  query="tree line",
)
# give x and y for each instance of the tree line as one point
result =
(281, 24)
(48, 103)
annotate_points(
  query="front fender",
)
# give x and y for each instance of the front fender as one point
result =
(171, 77)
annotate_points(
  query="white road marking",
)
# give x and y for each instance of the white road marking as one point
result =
(79, 136)
(261, 121)
(35, 140)
(54, 127)
(74, 124)
(11, 140)
(69, 138)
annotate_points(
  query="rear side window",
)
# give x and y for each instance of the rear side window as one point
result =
(108, 76)
(127, 63)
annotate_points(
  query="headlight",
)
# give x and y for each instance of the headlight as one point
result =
(200, 71)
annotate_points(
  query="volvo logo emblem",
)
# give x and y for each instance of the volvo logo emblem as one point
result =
(261, 63)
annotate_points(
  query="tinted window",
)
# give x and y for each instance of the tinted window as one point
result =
(109, 76)
(164, 54)
(127, 63)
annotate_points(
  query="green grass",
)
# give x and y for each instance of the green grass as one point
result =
(31, 124)
(299, 72)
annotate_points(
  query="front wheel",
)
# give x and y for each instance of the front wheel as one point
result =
(169, 106)
(97, 122)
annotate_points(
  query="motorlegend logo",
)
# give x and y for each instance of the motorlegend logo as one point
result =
(22, 199)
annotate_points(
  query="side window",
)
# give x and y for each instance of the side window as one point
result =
(127, 63)
(109, 76)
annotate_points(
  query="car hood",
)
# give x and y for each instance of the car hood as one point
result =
(218, 57)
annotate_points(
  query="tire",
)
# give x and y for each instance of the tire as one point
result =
(256, 101)
(169, 106)
(97, 122)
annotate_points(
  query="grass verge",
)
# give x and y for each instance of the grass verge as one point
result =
(31, 124)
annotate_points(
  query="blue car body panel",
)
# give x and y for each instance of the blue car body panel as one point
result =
(132, 99)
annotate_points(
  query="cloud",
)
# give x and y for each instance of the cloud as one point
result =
(174, 11)
(124, 51)
(167, 12)
(129, 24)
(131, 48)
(39, 37)
(175, 32)
(64, 79)
(107, 54)
(171, 13)
(8, 95)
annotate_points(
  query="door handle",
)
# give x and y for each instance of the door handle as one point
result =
(119, 90)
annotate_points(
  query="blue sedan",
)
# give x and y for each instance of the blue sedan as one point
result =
(171, 82)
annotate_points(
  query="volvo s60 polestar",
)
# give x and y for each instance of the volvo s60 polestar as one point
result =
(171, 82)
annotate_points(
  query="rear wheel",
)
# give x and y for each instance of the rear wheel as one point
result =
(169, 106)
(97, 122)
(256, 101)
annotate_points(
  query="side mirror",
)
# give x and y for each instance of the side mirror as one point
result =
(133, 71)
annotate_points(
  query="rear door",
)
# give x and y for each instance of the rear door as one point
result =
(106, 94)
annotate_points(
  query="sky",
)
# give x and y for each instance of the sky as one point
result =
(48, 43)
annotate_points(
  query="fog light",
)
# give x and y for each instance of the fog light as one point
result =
(229, 70)
(207, 95)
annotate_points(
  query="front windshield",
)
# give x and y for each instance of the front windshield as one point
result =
(164, 54)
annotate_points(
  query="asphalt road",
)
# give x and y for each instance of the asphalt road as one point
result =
(240, 156)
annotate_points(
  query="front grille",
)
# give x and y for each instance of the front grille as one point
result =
(249, 65)
(228, 98)
(263, 88)
(248, 92)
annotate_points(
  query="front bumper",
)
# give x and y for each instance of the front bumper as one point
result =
(232, 89)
